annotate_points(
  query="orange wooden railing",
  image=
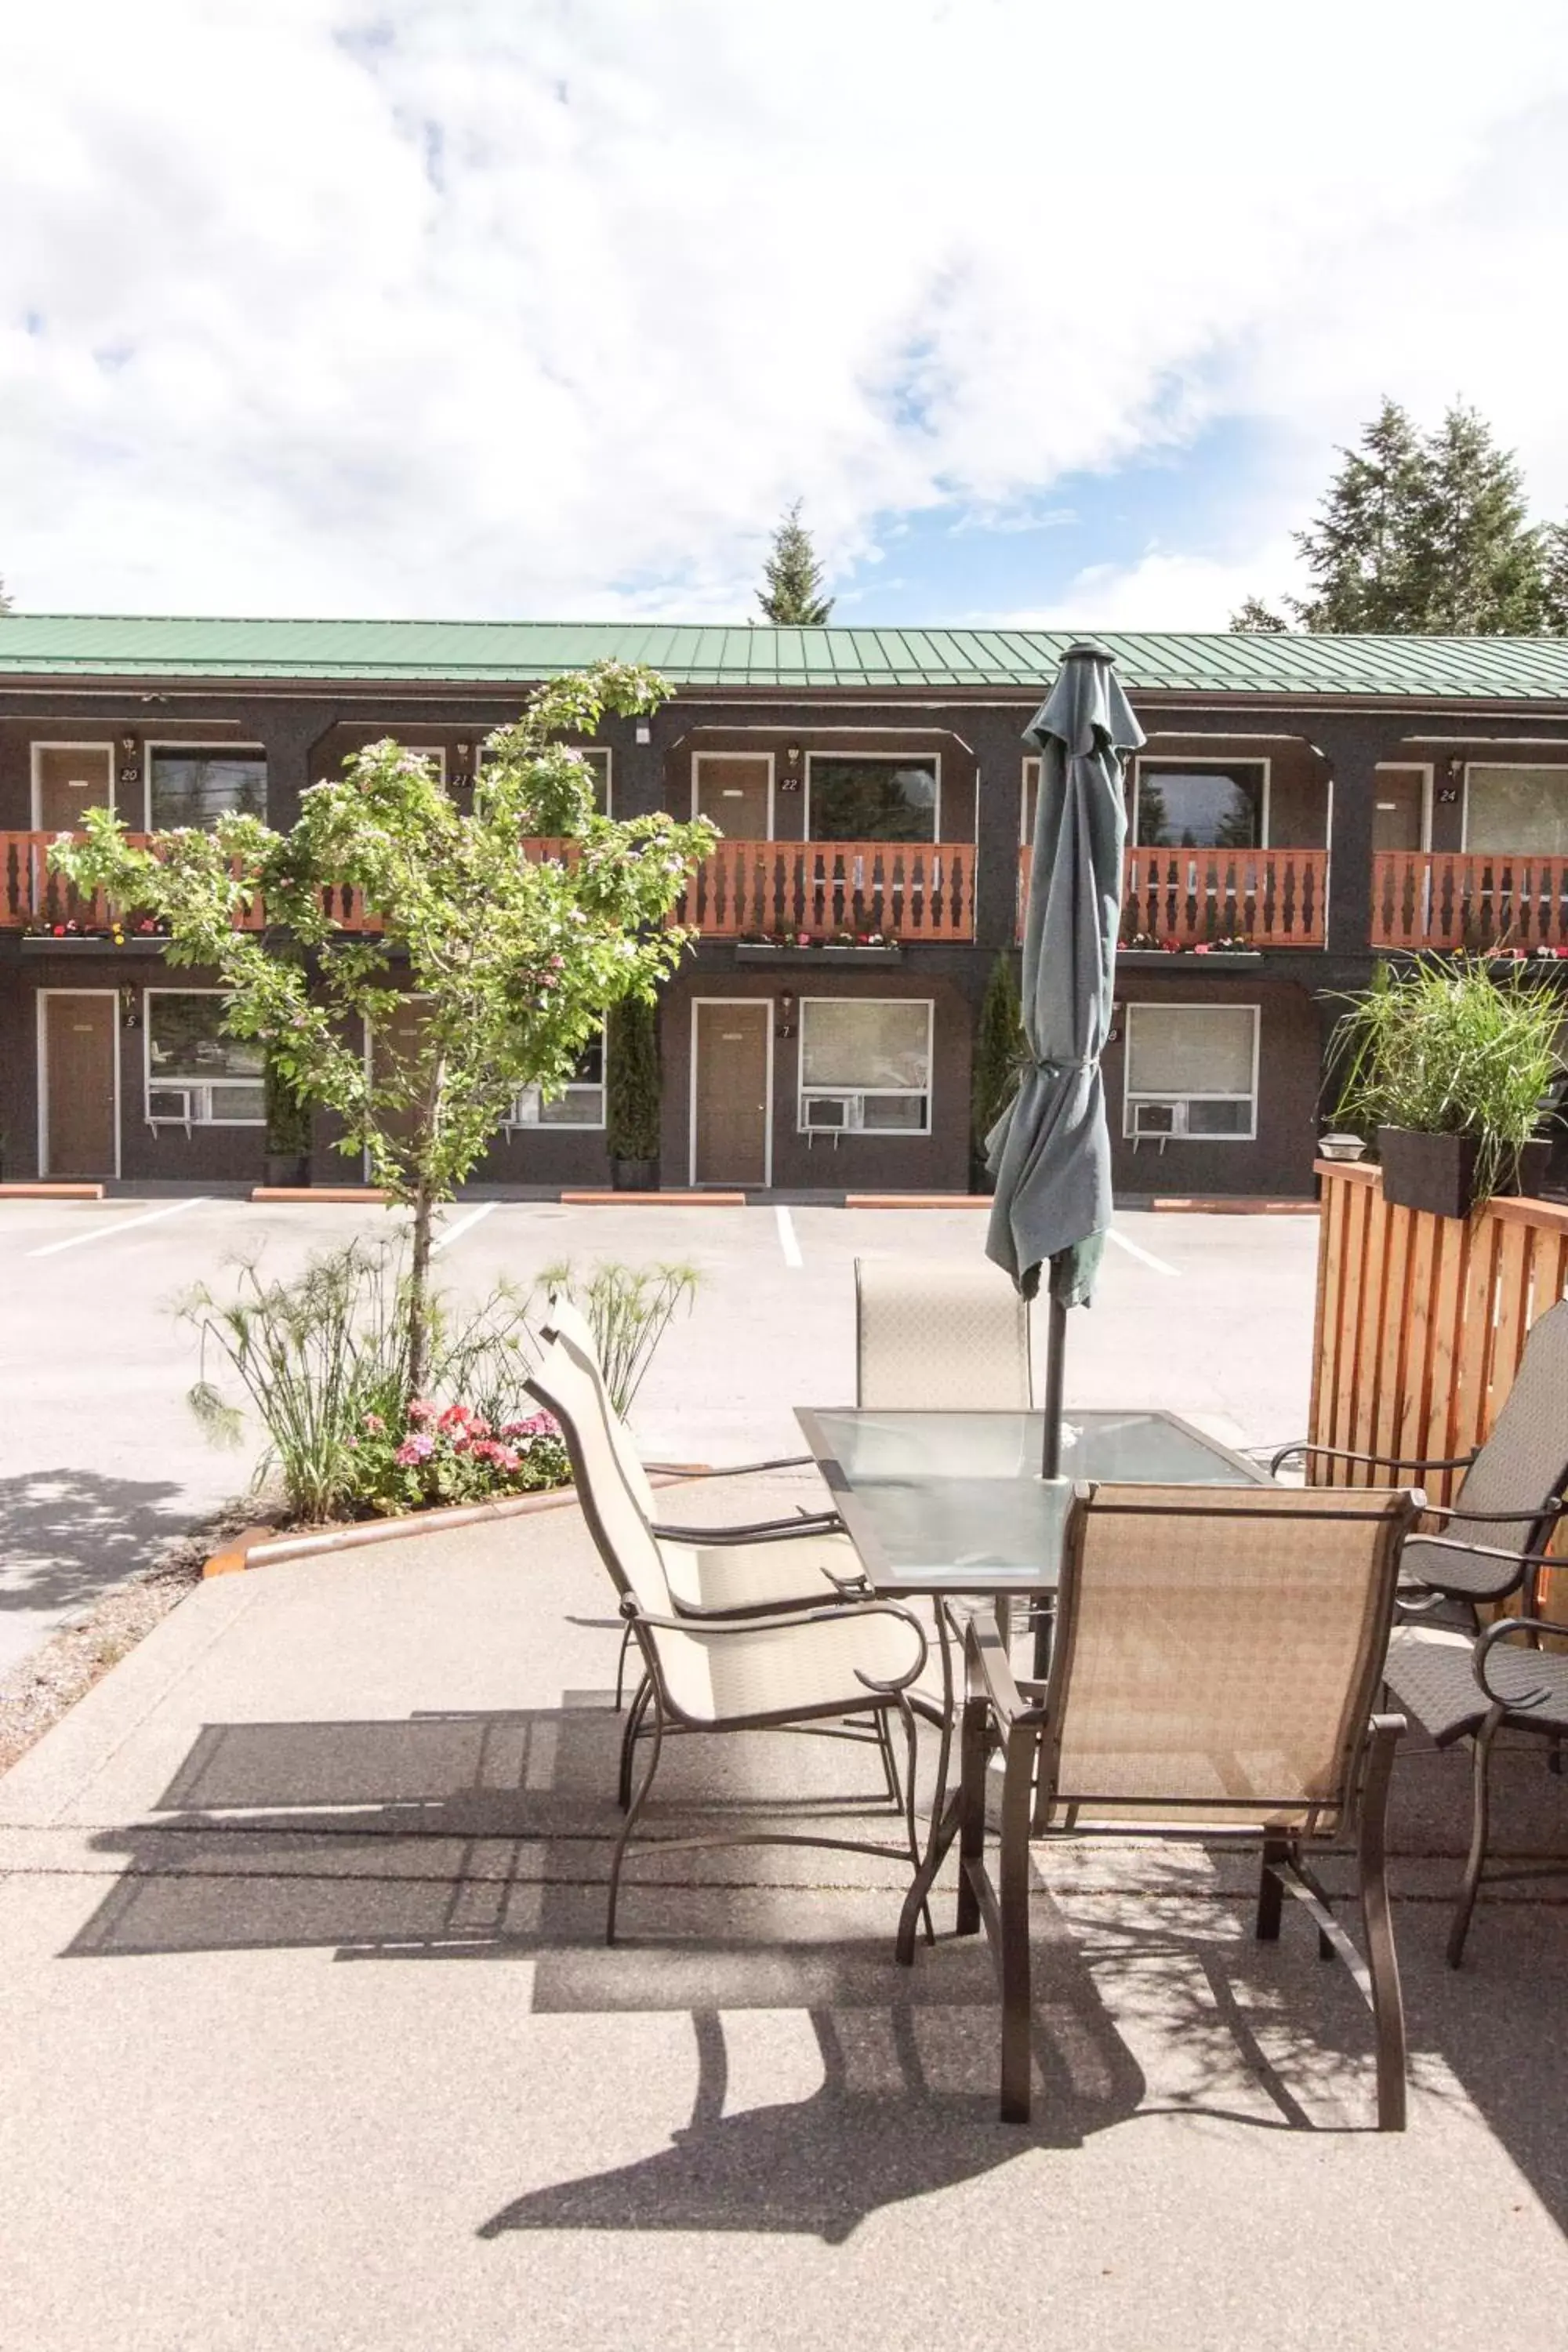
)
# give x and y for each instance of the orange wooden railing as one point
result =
(905, 890)
(1474, 898)
(1269, 897)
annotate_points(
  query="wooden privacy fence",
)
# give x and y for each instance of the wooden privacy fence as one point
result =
(1421, 1323)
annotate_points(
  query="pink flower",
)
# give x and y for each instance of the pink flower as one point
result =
(457, 1416)
(508, 1457)
(374, 1423)
(539, 1424)
(479, 1426)
(418, 1409)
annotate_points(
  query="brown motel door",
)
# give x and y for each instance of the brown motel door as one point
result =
(730, 1082)
(71, 782)
(1398, 797)
(81, 1036)
(733, 790)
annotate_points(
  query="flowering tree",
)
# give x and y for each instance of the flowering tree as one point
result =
(513, 960)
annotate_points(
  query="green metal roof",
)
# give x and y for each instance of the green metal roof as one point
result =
(36, 645)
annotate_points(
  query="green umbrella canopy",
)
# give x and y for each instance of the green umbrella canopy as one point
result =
(1050, 1150)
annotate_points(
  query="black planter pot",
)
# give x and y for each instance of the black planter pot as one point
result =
(1437, 1172)
(634, 1175)
(287, 1171)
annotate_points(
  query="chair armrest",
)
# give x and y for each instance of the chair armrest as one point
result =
(1554, 1507)
(1491, 1551)
(1503, 1630)
(987, 1655)
(731, 1469)
(821, 1523)
(1382, 1461)
(831, 1613)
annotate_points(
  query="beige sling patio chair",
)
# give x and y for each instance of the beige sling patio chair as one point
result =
(1217, 1662)
(763, 1565)
(936, 1336)
(717, 1672)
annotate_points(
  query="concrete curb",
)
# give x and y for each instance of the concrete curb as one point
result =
(261, 1547)
(51, 1191)
(1240, 1204)
(653, 1200)
(360, 1193)
(917, 1200)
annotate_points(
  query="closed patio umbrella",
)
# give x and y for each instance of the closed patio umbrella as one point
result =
(1050, 1150)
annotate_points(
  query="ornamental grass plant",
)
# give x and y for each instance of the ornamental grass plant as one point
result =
(1449, 1047)
(323, 1362)
(630, 1309)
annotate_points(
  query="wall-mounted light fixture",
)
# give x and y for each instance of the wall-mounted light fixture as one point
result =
(465, 753)
(1449, 793)
(131, 1008)
(785, 1027)
(644, 731)
(128, 744)
(793, 755)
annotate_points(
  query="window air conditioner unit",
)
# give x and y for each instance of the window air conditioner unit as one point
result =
(836, 1111)
(1155, 1119)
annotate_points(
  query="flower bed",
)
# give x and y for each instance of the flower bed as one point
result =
(441, 1457)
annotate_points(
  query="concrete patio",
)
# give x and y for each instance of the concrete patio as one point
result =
(311, 2038)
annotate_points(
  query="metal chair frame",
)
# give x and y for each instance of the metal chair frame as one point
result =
(1025, 1722)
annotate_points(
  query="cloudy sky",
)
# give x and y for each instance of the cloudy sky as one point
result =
(546, 308)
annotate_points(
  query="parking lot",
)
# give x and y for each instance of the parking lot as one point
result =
(100, 1456)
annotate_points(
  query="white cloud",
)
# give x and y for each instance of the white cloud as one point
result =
(1161, 591)
(548, 306)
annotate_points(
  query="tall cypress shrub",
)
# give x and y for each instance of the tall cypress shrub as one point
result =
(999, 1049)
(633, 1079)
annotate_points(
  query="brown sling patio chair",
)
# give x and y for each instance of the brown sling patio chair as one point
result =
(1509, 1506)
(934, 1336)
(1217, 1662)
(716, 1672)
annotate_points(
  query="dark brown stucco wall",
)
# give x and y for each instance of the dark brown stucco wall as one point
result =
(1289, 1044)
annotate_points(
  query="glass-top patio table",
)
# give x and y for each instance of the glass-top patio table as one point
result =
(950, 1505)
(944, 1504)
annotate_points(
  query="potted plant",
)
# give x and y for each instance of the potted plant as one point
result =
(1453, 1066)
(633, 1092)
(288, 1131)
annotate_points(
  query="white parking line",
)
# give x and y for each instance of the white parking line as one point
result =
(120, 1225)
(1145, 1256)
(454, 1233)
(788, 1240)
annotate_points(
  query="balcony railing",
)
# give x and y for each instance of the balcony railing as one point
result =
(1469, 900)
(1194, 897)
(901, 890)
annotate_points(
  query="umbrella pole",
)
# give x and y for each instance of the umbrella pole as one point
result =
(1055, 1355)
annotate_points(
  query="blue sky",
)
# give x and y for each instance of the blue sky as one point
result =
(550, 306)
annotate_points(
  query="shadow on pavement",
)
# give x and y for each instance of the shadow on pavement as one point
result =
(66, 1536)
(487, 1836)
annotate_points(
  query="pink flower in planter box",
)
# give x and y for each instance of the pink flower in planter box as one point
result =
(414, 1450)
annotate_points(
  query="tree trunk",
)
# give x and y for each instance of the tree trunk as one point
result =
(419, 1292)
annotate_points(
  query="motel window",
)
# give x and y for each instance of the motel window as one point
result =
(1523, 809)
(195, 1076)
(580, 1103)
(1200, 805)
(1192, 1070)
(866, 1064)
(869, 798)
(195, 784)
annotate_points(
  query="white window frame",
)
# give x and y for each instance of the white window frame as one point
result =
(771, 758)
(52, 743)
(1178, 1132)
(898, 759)
(41, 1029)
(189, 1087)
(1423, 768)
(519, 1123)
(1521, 767)
(858, 1097)
(196, 743)
(1203, 760)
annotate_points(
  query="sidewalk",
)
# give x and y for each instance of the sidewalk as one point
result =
(311, 2039)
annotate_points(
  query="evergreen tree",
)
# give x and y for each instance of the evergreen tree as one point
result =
(1000, 1047)
(1253, 619)
(792, 597)
(1426, 535)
